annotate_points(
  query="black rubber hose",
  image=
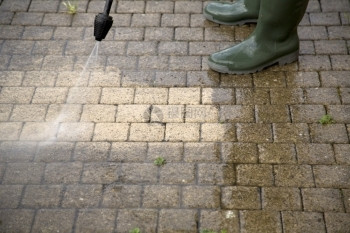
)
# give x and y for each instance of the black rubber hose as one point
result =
(108, 7)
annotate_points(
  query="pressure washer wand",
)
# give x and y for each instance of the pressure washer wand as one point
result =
(103, 22)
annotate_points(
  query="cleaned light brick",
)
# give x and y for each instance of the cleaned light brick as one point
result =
(117, 95)
(98, 113)
(151, 95)
(75, 132)
(64, 112)
(84, 95)
(146, 132)
(218, 132)
(39, 131)
(10, 130)
(133, 113)
(182, 132)
(50, 95)
(184, 95)
(111, 132)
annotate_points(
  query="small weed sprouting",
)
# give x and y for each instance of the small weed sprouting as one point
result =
(160, 161)
(135, 230)
(210, 231)
(326, 119)
(71, 7)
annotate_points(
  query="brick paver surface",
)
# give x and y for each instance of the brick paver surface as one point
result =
(244, 153)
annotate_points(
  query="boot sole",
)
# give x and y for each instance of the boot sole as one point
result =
(287, 59)
(237, 23)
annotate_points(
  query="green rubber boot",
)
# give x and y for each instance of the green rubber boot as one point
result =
(274, 40)
(237, 13)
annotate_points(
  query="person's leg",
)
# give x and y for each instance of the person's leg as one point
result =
(236, 13)
(274, 40)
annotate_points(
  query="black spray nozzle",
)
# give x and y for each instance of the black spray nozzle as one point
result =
(103, 22)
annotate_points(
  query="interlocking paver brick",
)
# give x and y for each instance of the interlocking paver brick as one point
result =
(81, 132)
(172, 48)
(90, 220)
(277, 198)
(182, 132)
(337, 222)
(39, 78)
(153, 62)
(100, 173)
(10, 130)
(184, 95)
(151, 95)
(97, 6)
(91, 151)
(138, 78)
(223, 33)
(145, 219)
(17, 47)
(167, 113)
(271, 113)
(84, 95)
(338, 32)
(291, 133)
(184, 63)
(323, 18)
(42, 196)
(23, 173)
(43, 6)
(133, 113)
(111, 95)
(216, 174)
(307, 47)
(141, 48)
(146, 132)
(346, 197)
(109, 132)
(61, 63)
(170, 151)
(254, 221)
(122, 196)
(322, 200)
(10, 196)
(82, 196)
(220, 220)
(52, 219)
(177, 173)
(201, 152)
(16, 220)
(239, 152)
(240, 197)
(315, 153)
(254, 174)
(26, 62)
(332, 176)
(334, 78)
(159, 7)
(145, 20)
(170, 79)
(54, 152)
(63, 113)
(250, 96)
(161, 196)
(98, 113)
(6, 17)
(277, 153)
(65, 33)
(188, 7)
(334, 133)
(201, 113)
(130, 7)
(11, 78)
(341, 153)
(17, 151)
(340, 62)
(312, 32)
(218, 96)
(340, 113)
(330, 47)
(255, 133)
(345, 95)
(293, 176)
(26, 18)
(218, 132)
(186, 33)
(207, 197)
(50, 95)
(138, 173)
(128, 151)
(339, 5)
(178, 220)
(38, 33)
(5, 111)
(298, 222)
(309, 113)
(63, 173)
(11, 32)
(175, 20)
(32, 112)
(126, 34)
(202, 79)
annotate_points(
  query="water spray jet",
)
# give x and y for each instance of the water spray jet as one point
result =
(103, 22)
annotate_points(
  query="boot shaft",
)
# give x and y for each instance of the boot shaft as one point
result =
(279, 19)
